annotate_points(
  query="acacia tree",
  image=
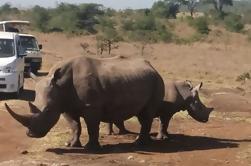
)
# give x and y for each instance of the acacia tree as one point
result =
(107, 36)
(218, 4)
(166, 8)
(191, 5)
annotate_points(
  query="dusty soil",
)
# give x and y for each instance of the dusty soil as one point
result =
(225, 140)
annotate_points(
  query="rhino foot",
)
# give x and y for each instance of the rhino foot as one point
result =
(143, 140)
(92, 146)
(162, 136)
(123, 132)
(110, 133)
(73, 144)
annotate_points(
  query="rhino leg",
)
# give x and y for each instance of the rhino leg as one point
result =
(163, 124)
(92, 125)
(144, 136)
(76, 131)
(110, 129)
(121, 126)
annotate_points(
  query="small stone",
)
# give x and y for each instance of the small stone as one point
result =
(130, 157)
(64, 164)
(142, 161)
(24, 152)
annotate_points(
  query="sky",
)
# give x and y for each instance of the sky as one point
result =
(116, 4)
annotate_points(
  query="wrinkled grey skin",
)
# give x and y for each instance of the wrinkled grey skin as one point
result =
(108, 90)
(179, 96)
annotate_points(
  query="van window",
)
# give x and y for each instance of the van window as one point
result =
(29, 43)
(7, 48)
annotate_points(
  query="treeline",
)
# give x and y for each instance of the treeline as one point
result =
(146, 25)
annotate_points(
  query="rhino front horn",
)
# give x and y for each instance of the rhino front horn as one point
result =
(23, 119)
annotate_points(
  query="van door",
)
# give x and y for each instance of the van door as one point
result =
(20, 62)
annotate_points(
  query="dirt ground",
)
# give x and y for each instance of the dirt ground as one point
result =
(224, 141)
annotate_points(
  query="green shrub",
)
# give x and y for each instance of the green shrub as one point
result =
(145, 23)
(233, 23)
(200, 24)
(40, 17)
(244, 76)
(163, 34)
(127, 25)
(249, 36)
(142, 36)
(247, 17)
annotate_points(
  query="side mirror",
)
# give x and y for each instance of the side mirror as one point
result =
(22, 55)
(40, 46)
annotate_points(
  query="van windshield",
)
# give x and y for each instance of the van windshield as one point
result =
(29, 43)
(7, 48)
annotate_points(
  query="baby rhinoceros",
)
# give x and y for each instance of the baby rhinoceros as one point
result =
(98, 90)
(179, 96)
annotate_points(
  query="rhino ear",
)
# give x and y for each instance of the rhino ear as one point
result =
(189, 83)
(55, 77)
(184, 89)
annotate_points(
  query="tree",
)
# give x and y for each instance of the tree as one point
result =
(6, 9)
(87, 16)
(218, 4)
(107, 36)
(40, 17)
(191, 5)
(166, 8)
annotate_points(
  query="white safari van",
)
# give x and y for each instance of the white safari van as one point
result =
(33, 60)
(11, 63)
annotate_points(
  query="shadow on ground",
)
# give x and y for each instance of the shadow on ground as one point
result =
(38, 74)
(26, 95)
(177, 143)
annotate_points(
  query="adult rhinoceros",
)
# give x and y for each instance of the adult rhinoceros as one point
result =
(179, 96)
(98, 90)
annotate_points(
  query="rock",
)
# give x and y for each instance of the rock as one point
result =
(130, 157)
(24, 152)
(142, 161)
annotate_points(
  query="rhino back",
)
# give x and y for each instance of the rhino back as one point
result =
(119, 87)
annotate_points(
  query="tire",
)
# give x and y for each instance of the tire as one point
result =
(34, 71)
(16, 95)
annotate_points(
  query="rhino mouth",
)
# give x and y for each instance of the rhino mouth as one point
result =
(201, 115)
(31, 134)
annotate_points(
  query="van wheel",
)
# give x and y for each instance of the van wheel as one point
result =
(34, 71)
(17, 94)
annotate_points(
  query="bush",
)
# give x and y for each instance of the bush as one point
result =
(165, 8)
(247, 17)
(127, 25)
(163, 34)
(249, 36)
(233, 23)
(40, 18)
(244, 76)
(145, 23)
(200, 24)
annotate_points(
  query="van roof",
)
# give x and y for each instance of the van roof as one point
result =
(7, 35)
(26, 35)
(15, 22)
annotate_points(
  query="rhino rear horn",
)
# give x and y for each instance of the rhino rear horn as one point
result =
(33, 76)
(34, 109)
(197, 87)
(23, 119)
